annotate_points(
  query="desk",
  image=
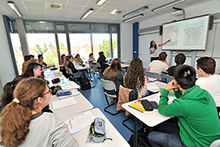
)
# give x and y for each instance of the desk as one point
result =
(111, 132)
(82, 105)
(150, 118)
(82, 68)
(159, 85)
(125, 66)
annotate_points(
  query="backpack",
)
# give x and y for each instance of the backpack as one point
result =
(85, 83)
(97, 130)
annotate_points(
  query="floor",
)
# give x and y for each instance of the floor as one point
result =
(96, 96)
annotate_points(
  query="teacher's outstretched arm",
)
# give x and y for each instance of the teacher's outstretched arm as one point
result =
(164, 43)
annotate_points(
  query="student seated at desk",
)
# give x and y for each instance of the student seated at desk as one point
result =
(91, 57)
(69, 64)
(179, 60)
(134, 77)
(102, 61)
(63, 59)
(24, 124)
(208, 80)
(198, 122)
(42, 63)
(159, 66)
(27, 60)
(114, 73)
(78, 60)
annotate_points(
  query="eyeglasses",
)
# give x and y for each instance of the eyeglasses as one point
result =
(50, 91)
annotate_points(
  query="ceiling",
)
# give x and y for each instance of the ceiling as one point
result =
(74, 9)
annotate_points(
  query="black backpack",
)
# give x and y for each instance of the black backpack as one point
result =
(85, 83)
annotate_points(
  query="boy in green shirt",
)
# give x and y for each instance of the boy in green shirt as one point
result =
(198, 122)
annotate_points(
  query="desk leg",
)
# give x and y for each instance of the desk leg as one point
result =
(135, 131)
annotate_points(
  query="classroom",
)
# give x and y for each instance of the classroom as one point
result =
(113, 30)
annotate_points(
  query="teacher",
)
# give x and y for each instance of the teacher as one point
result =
(154, 49)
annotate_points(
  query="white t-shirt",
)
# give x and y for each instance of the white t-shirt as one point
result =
(155, 53)
(158, 66)
(211, 84)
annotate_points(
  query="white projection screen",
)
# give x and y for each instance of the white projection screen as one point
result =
(190, 34)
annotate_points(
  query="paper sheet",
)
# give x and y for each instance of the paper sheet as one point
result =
(69, 85)
(64, 103)
(152, 86)
(80, 122)
(157, 98)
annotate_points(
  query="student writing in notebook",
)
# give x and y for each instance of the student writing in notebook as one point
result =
(24, 124)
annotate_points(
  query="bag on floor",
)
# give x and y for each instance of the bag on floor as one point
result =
(85, 83)
(142, 140)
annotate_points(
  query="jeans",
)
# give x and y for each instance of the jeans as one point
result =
(167, 137)
(79, 73)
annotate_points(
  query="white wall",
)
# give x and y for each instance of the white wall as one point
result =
(7, 72)
(210, 7)
(126, 34)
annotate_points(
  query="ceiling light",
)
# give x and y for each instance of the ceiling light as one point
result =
(136, 11)
(100, 2)
(13, 7)
(167, 5)
(115, 12)
(87, 13)
(134, 17)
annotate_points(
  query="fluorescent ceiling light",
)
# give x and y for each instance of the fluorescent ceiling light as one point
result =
(115, 12)
(100, 2)
(136, 11)
(87, 13)
(13, 7)
(167, 5)
(134, 17)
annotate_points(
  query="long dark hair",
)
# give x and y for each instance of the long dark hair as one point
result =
(30, 69)
(153, 46)
(135, 75)
(15, 118)
(7, 95)
(113, 69)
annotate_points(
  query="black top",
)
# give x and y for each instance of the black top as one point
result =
(43, 63)
(72, 67)
(170, 70)
(102, 61)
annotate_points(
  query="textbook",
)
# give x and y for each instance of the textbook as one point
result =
(137, 106)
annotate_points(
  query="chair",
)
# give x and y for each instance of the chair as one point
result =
(98, 67)
(169, 78)
(218, 110)
(125, 95)
(152, 75)
(63, 69)
(216, 143)
(109, 91)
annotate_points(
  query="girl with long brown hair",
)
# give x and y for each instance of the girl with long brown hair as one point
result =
(24, 124)
(114, 73)
(135, 79)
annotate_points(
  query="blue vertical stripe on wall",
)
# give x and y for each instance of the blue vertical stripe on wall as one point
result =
(135, 40)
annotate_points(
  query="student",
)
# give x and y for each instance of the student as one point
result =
(25, 63)
(208, 80)
(63, 58)
(33, 70)
(102, 61)
(91, 57)
(114, 73)
(159, 66)
(69, 64)
(24, 124)
(198, 122)
(154, 51)
(78, 60)
(31, 57)
(40, 59)
(135, 79)
(179, 60)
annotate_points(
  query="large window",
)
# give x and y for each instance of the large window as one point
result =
(52, 39)
(41, 40)
(80, 40)
(16, 46)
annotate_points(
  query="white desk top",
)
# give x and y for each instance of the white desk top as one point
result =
(82, 105)
(111, 132)
(150, 118)
(78, 67)
(124, 65)
(158, 84)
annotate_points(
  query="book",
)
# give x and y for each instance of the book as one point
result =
(137, 106)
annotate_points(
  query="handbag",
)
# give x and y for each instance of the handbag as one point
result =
(56, 80)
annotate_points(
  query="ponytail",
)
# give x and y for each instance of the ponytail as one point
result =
(16, 116)
(15, 120)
